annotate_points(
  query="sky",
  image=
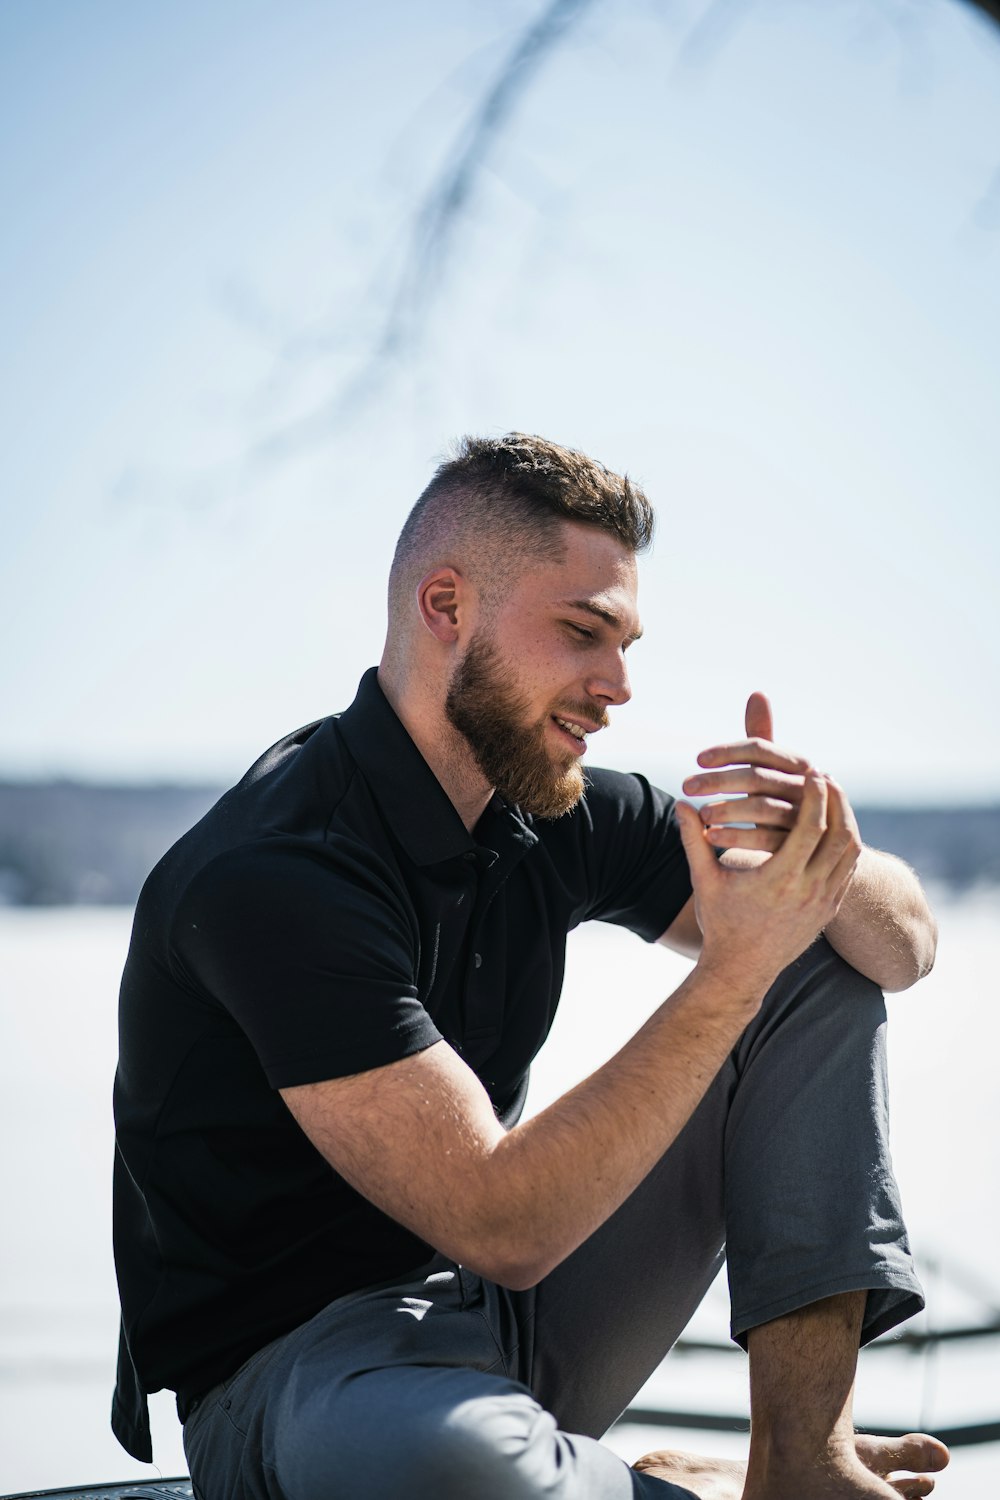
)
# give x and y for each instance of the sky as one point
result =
(749, 253)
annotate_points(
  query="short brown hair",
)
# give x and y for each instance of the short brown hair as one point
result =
(519, 487)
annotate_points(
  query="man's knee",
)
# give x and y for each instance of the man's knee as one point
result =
(430, 1433)
(497, 1446)
(820, 989)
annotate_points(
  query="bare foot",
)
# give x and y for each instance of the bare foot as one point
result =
(707, 1478)
(909, 1461)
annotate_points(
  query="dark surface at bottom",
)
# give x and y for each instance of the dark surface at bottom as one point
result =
(178, 1488)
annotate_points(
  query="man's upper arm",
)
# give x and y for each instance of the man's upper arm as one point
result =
(319, 975)
(314, 960)
(636, 870)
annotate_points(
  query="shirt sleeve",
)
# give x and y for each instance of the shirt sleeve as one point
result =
(312, 952)
(637, 871)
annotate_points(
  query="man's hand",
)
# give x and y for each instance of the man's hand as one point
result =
(880, 921)
(755, 922)
(761, 785)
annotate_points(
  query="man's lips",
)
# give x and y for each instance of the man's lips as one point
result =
(572, 730)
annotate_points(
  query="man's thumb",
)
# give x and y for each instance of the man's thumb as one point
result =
(700, 858)
(759, 719)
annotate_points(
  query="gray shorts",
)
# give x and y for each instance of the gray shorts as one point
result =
(449, 1387)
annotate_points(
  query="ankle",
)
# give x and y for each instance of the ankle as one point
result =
(797, 1440)
(781, 1452)
(788, 1470)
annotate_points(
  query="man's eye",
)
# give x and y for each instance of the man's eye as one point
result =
(580, 631)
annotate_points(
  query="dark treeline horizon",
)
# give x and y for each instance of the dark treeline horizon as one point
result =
(65, 842)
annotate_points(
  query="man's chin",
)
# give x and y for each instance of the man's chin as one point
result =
(553, 799)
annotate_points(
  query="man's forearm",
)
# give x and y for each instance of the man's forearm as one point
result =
(885, 928)
(556, 1177)
(420, 1139)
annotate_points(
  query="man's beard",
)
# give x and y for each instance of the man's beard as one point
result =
(485, 705)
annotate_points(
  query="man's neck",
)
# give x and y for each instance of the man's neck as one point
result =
(444, 749)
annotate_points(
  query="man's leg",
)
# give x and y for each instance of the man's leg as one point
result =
(788, 1151)
(398, 1392)
(811, 1450)
(788, 1156)
(806, 1448)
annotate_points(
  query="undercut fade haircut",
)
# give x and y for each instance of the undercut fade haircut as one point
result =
(498, 503)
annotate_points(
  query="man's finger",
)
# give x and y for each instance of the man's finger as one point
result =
(810, 825)
(759, 719)
(842, 876)
(747, 838)
(842, 839)
(787, 787)
(753, 752)
(701, 860)
(764, 812)
(844, 828)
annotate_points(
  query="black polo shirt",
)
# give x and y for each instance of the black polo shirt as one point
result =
(330, 914)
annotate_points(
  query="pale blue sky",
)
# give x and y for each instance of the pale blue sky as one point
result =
(760, 270)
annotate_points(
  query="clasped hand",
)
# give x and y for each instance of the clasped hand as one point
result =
(766, 916)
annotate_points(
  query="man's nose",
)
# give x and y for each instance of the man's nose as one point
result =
(611, 684)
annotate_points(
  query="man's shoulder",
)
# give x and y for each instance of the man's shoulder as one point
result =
(611, 800)
(624, 788)
(621, 845)
(298, 814)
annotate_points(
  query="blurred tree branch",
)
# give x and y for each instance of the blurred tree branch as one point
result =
(432, 232)
(435, 224)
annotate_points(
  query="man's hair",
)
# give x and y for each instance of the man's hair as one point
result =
(502, 500)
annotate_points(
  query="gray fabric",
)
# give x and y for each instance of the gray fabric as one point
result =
(402, 1391)
(451, 1387)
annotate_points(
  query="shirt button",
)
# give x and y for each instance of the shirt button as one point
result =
(478, 960)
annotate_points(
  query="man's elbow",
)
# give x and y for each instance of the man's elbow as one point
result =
(520, 1276)
(509, 1262)
(928, 946)
(918, 951)
(511, 1253)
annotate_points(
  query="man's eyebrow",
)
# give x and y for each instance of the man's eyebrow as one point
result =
(607, 615)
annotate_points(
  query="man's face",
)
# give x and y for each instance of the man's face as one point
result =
(545, 669)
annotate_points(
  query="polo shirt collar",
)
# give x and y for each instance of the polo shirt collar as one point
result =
(415, 804)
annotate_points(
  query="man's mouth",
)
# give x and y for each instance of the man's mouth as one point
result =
(575, 731)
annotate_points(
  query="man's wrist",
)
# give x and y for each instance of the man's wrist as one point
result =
(740, 983)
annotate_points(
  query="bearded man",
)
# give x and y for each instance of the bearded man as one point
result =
(335, 1241)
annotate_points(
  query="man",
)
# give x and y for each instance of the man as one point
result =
(335, 1241)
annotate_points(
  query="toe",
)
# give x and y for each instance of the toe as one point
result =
(913, 1487)
(923, 1453)
(916, 1451)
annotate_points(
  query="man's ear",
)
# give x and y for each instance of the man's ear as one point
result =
(442, 597)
